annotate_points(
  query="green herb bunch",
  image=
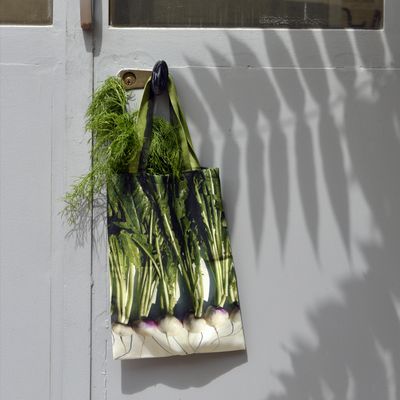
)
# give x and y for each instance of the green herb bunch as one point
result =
(116, 143)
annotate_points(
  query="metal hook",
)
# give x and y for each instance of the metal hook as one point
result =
(159, 77)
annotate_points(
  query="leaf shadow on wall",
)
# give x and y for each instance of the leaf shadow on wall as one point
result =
(357, 356)
(228, 92)
(212, 93)
(292, 94)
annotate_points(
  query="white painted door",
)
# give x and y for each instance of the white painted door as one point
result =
(45, 84)
(305, 126)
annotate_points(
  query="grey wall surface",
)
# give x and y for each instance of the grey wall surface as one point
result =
(305, 126)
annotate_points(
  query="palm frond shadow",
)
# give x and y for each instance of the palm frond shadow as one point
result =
(226, 94)
(357, 355)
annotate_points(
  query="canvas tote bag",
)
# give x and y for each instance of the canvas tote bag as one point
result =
(172, 279)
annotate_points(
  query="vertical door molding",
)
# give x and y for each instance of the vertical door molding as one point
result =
(76, 256)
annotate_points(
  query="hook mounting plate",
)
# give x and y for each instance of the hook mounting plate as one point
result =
(134, 78)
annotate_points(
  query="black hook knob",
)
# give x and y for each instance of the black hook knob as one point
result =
(159, 77)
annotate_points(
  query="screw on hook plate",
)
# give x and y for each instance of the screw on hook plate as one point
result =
(129, 79)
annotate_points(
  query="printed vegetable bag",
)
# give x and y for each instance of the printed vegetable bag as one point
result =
(172, 278)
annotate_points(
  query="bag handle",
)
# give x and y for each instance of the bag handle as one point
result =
(145, 120)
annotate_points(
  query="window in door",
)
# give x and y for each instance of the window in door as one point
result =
(332, 14)
(26, 12)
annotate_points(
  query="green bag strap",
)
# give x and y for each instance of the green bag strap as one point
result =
(173, 96)
(144, 125)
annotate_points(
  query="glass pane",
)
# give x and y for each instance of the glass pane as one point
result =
(26, 12)
(360, 14)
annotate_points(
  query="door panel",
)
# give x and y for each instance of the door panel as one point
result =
(25, 282)
(305, 127)
(45, 84)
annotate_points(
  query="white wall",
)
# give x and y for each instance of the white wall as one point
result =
(305, 128)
